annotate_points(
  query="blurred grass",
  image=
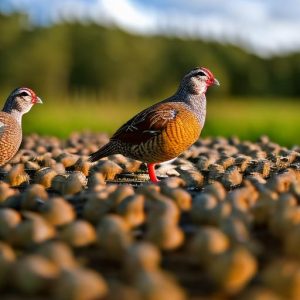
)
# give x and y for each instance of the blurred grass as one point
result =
(251, 118)
(245, 118)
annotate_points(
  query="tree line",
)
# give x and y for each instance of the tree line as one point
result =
(87, 59)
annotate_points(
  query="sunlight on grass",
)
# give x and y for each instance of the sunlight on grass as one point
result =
(245, 118)
(249, 119)
(60, 119)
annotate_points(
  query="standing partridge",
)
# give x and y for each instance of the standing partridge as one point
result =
(18, 103)
(166, 129)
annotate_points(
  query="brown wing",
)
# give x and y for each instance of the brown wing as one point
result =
(146, 124)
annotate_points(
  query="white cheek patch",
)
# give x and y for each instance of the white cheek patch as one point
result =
(2, 127)
(28, 99)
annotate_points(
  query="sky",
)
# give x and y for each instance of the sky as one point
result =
(265, 27)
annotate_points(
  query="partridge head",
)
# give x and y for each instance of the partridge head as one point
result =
(166, 129)
(197, 81)
(19, 102)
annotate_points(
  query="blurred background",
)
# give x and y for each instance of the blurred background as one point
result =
(95, 63)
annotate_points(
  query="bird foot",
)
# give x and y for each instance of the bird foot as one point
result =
(151, 172)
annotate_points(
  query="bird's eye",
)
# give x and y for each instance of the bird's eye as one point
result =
(24, 94)
(201, 73)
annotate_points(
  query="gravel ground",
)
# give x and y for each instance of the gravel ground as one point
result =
(223, 223)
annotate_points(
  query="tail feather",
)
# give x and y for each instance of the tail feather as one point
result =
(106, 150)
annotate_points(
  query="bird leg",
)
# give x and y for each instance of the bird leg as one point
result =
(151, 172)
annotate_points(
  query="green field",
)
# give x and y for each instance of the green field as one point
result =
(245, 118)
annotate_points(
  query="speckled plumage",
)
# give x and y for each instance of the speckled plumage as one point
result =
(10, 137)
(18, 103)
(166, 129)
(166, 138)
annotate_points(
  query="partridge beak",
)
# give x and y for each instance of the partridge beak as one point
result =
(216, 82)
(38, 100)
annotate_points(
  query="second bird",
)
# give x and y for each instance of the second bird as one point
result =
(166, 129)
(17, 104)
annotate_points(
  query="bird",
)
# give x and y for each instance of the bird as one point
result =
(17, 104)
(164, 130)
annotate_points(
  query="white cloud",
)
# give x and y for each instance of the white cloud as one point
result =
(126, 15)
(265, 27)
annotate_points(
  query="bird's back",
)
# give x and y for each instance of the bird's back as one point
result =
(10, 137)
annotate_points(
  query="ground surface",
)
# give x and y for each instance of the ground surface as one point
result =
(223, 223)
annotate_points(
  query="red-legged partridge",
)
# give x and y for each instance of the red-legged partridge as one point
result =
(166, 129)
(17, 104)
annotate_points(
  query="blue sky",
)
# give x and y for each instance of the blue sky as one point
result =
(262, 26)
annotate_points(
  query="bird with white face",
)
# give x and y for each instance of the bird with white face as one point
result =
(19, 102)
(166, 129)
